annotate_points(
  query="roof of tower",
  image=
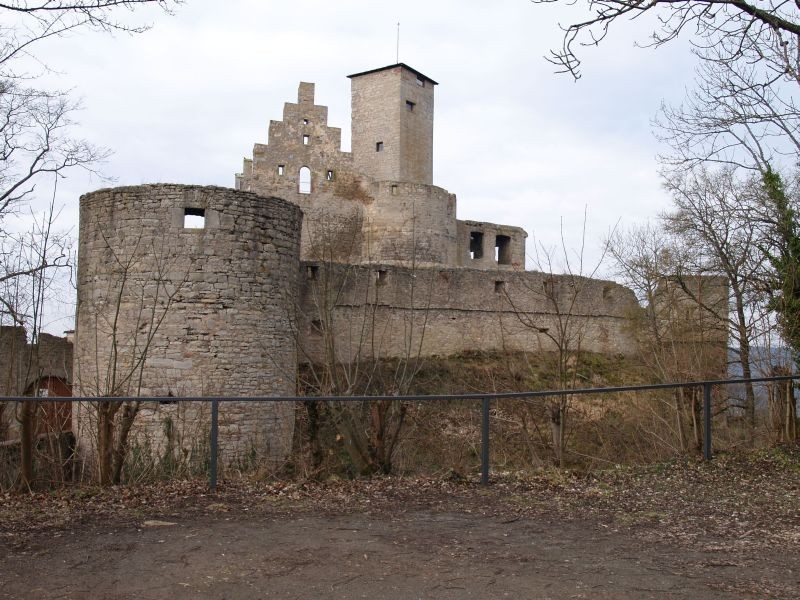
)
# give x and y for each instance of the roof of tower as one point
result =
(404, 65)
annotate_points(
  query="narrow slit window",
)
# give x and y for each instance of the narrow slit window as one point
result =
(410, 105)
(394, 190)
(502, 250)
(329, 175)
(380, 277)
(281, 169)
(499, 287)
(378, 146)
(476, 245)
(304, 181)
(306, 139)
(194, 218)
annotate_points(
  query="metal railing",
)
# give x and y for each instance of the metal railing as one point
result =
(485, 399)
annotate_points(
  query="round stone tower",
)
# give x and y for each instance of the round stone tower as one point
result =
(188, 291)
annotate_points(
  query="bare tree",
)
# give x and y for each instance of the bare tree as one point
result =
(743, 107)
(743, 113)
(29, 265)
(678, 340)
(356, 343)
(129, 313)
(563, 288)
(35, 140)
(718, 236)
(741, 24)
(28, 22)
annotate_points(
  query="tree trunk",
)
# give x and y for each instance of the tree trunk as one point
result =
(317, 455)
(679, 403)
(355, 440)
(557, 418)
(129, 413)
(27, 437)
(697, 420)
(744, 359)
(105, 442)
(790, 426)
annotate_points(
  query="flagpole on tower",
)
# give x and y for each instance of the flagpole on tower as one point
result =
(397, 61)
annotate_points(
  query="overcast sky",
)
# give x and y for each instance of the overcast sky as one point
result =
(519, 145)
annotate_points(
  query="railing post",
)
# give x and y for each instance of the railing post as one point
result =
(485, 442)
(214, 442)
(707, 421)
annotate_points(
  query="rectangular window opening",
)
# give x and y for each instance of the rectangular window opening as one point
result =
(499, 287)
(420, 81)
(476, 245)
(305, 121)
(329, 176)
(380, 277)
(311, 272)
(306, 139)
(281, 169)
(169, 395)
(194, 218)
(378, 146)
(317, 326)
(394, 190)
(409, 105)
(502, 250)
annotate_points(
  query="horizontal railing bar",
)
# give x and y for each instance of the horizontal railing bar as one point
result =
(418, 398)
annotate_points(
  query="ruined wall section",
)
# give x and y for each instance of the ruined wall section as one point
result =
(388, 311)
(490, 246)
(333, 198)
(204, 310)
(692, 318)
(54, 357)
(13, 366)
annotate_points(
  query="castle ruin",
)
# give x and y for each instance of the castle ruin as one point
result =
(202, 291)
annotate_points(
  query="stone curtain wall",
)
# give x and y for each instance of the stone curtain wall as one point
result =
(387, 311)
(191, 312)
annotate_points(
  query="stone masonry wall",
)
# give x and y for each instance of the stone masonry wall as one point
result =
(410, 224)
(482, 238)
(392, 124)
(375, 114)
(387, 311)
(333, 208)
(373, 206)
(13, 370)
(201, 312)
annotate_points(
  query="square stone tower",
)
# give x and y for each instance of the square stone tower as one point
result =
(392, 121)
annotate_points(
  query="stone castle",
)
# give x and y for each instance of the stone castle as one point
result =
(382, 191)
(377, 210)
(317, 254)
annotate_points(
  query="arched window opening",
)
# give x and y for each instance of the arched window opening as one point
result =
(304, 181)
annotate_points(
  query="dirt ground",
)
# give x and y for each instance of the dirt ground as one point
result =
(729, 530)
(417, 554)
